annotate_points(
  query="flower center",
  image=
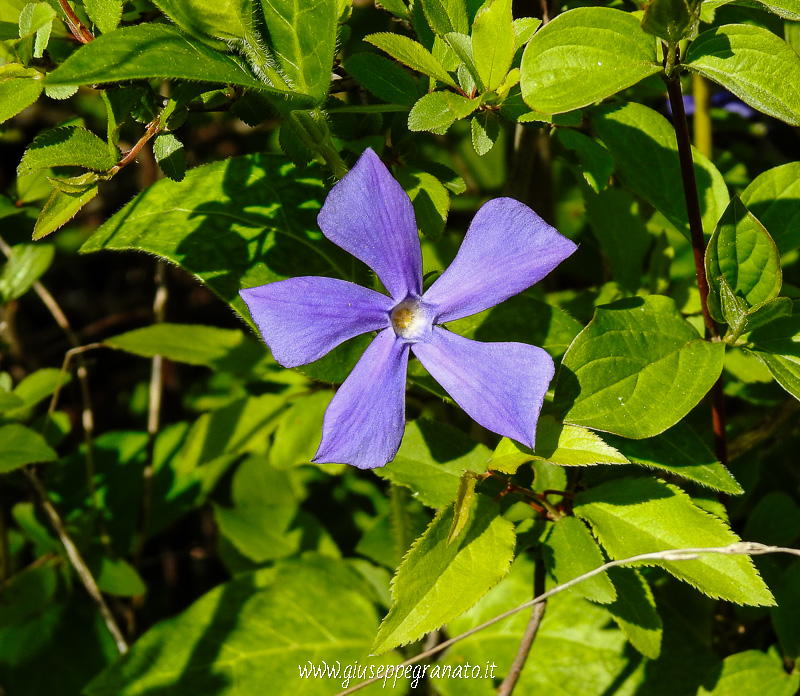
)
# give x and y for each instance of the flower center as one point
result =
(410, 320)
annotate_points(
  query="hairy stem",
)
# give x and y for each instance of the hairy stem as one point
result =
(77, 561)
(79, 31)
(698, 249)
(537, 614)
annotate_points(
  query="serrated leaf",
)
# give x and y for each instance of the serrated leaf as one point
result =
(437, 582)
(438, 111)
(21, 446)
(785, 371)
(636, 369)
(493, 42)
(385, 79)
(237, 223)
(59, 209)
(170, 155)
(69, 146)
(24, 267)
(645, 150)
(485, 128)
(569, 551)
(298, 612)
(412, 54)
(634, 611)
(777, 344)
(213, 22)
(741, 251)
(431, 460)
(754, 64)
(597, 165)
(751, 671)
(302, 35)
(436, 14)
(33, 17)
(772, 198)
(158, 50)
(629, 517)
(105, 14)
(585, 55)
(19, 88)
(679, 450)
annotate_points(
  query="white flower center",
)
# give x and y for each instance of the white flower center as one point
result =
(410, 320)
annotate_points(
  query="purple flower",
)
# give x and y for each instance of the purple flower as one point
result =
(507, 249)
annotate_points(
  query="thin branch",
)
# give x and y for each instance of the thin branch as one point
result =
(79, 31)
(152, 130)
(77, 561)
(698, 250)
(740, 548)
(537, 614)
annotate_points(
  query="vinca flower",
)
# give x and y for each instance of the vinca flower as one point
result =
(507, 248)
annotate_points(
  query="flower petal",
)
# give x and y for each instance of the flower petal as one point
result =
(368, 214)
(500, 385)
(365, 421)
(301, 319)
(508, 248)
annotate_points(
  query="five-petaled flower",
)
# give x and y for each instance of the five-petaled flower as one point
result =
(507, 248)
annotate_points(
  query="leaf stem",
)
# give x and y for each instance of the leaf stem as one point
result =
(698, 249)
(537, 614)
(75, 25)
(739, 548)
(77, 561)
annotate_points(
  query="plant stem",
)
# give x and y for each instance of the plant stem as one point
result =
(75, 25)
(703, 139)
(5, 552)
(698, 249)
(537, 613)
(77, 561)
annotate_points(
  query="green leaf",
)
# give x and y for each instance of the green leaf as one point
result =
(635, 612)
(157, 50)
(105, 14)
(751, 671)
(412, 54)
(788, 9)
(485, 128)
(237, 223)
(22, 446)
(27, 593)
(397, 7)
(430, 199)
(636, 369)
(299, 430)
(431, 460)
(679, 450)
(462, 506)
(672, 20)
(754, 64)
(33, 17)
(39, 385)
(772, 197)
(585, 55)
(616, 222)
(785, 371)
(252, 631)
(569, 550)
(24, 267)
(438, 111)
(118, 577)
(438, 581)
(385, 79)
(437, 17)
(627, 516)
(784, 615)
(19, 88)
(742, 252)
(170, 155)
(597, 165)
(462, 46)
(194, 344)
(69, 146)
(645, 149)
(774, 520)
(59, 209)
(302, 34)
(493, 42)
(777, 344)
